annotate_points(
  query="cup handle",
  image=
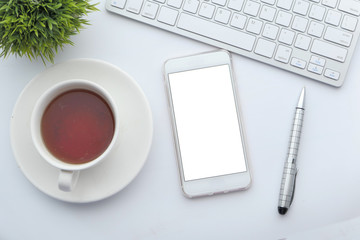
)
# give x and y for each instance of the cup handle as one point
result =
(67, 180)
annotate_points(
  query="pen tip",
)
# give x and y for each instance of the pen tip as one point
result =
(301, 101)
(282, 210)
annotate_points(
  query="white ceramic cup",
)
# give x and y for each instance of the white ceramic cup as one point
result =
(69, 173)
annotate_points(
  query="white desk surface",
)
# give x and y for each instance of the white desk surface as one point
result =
(152, 206)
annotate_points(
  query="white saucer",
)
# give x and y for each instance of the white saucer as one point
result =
(123, 164)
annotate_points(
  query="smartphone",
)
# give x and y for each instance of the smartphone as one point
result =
(206, 122)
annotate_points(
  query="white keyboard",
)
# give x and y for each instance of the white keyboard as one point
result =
(313, 38)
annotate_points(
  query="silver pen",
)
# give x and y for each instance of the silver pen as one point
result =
(287, 188)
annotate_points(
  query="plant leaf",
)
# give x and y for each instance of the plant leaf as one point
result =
(38, 28)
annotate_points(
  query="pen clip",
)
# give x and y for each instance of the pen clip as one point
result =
(293, 190)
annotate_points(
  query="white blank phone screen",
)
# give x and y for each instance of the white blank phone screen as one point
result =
(206, 122)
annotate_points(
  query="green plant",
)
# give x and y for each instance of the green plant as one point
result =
(38, 28)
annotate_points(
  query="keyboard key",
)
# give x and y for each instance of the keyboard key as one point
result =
(265, 48)
(191, 6)
(283, 54)
(299, 24)
(315, 68)
(332, 74)
(118, 3)
(270, 31)
(219, 2)
(301, 7)
(333, 17)
(286, 36)
(236, 4)
(285, 4)
(267, 13)
(238, 21)
(318, 60)
(272, 2)
(207, 10)
(150, 9)
(302, 42)
(329, 50)
(338, 36)
(252, 8)
(216, 32)
(167, 15)
(316, 29)
(283, 18)
(175, 3)
(254, 26)
(349, 23)
(134, 6)
(222, 15)
(329, 3)
(350, 6)
(317, 12)
(298, 63)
